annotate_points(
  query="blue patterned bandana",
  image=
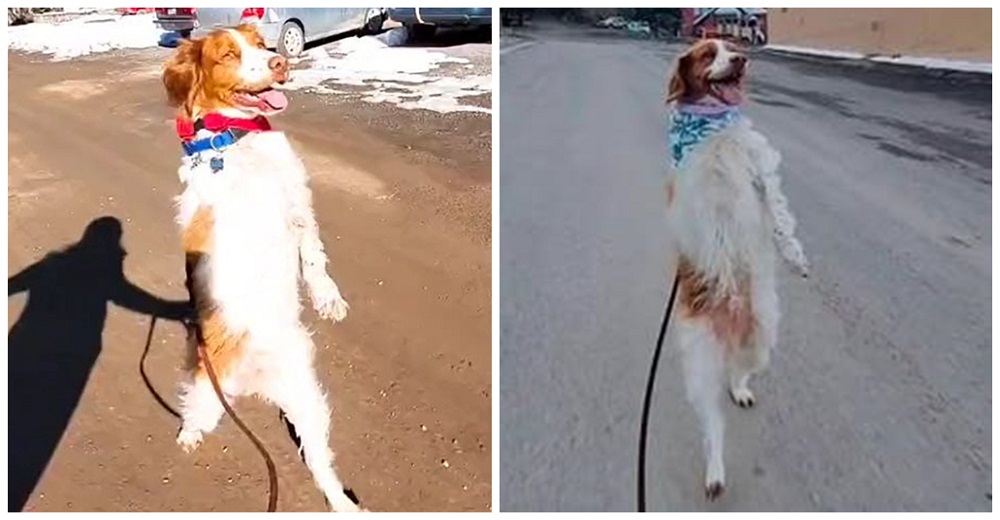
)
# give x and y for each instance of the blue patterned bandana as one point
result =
(691, 124)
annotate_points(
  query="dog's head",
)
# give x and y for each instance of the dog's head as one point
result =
(714, 68)
(228, 69)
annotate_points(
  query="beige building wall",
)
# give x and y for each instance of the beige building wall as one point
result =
(963, 34)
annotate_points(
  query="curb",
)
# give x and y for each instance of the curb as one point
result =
(887, 62)
(516, 46)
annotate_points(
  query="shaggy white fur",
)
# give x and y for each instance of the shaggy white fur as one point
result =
(726, 213)
(264, 240)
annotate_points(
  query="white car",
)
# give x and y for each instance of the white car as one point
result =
(614, 22)
(285, 29)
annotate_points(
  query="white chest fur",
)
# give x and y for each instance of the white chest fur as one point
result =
(253, 253)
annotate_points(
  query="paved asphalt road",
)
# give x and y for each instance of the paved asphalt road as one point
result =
(879, 395)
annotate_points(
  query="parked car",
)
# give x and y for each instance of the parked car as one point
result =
(510, 17)
(23, 15)
(422, 23)
(287, 30)
(181, 20)
(131, 11)
(639, 29)
(614, 22)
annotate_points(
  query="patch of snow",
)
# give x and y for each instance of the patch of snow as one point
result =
(397, 75)
(915, 61)
(396, 37)
(85, 35)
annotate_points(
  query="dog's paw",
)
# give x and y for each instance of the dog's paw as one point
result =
(328, 302)
(335, 309)
(715, 477)
(189, 440)
(803, 268)
(344, 504)
(743, 397)
(714, 490)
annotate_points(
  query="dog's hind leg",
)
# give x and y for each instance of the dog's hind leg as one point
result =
(753, 358)
(200, 411)
(296, 390)
(703, 363)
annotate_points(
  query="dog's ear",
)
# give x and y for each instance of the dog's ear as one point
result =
(182, 74)
(678, 88)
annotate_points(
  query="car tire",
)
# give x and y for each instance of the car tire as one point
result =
(374, 25)
(291, 40)
(420, 31)
(185, 34)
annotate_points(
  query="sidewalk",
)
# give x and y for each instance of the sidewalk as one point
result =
(909, 61)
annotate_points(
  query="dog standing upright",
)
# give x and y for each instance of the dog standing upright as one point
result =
(726, 213)
(249, 235)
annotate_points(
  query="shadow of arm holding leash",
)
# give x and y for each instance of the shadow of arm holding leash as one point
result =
(54, 344)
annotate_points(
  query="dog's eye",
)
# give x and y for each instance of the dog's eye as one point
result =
(230, 55)
(260, 45)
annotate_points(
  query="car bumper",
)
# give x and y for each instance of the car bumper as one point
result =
(443, 16)
(177, 24)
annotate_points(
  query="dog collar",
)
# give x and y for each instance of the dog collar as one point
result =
(226, 131)
(690, 124)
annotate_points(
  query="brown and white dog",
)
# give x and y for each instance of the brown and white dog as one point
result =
(727, 214)
(250, 236)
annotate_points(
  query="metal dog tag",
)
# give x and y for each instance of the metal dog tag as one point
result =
(215, 163)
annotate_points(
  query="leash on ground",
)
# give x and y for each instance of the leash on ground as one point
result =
(648, 400)
(145, 378)
(272, 472)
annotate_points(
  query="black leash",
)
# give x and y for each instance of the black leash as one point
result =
(145, 378)
(272, 472)
(648, 401)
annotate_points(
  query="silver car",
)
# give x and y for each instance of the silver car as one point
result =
(289, 29)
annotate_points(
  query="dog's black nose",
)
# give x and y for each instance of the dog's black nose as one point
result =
(738, 59)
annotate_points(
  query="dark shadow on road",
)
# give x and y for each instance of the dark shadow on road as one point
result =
(56, 341)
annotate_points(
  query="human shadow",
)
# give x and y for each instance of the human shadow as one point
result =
(53, 346)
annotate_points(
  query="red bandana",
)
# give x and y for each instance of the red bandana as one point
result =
(217, 123)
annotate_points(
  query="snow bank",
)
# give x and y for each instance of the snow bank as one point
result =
(85, 35)
(391, 74)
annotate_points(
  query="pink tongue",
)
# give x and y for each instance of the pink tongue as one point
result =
(274, 99)
(731, 94)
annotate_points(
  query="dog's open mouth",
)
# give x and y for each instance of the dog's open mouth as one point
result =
(267, 101)
(729, 89)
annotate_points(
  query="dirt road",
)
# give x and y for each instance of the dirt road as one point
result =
(403, 202)
(878, 394)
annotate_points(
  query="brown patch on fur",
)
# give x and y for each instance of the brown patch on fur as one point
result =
(690, 78)
(197, 236)
(222, 345)
(203, 74)
(729, 314)
(670, 192)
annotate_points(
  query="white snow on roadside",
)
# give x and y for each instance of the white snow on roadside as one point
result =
(930, 63)
(85, 35)
(392, 74)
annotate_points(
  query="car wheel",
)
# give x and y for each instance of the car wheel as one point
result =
(420, 31)
(292, 40)
(185, 34)
(374, 24)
